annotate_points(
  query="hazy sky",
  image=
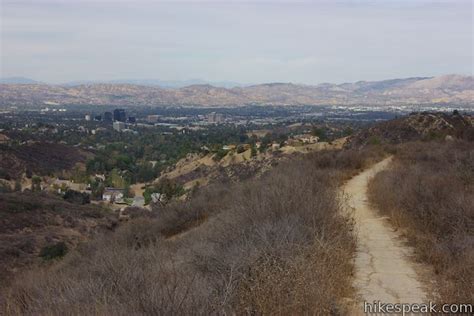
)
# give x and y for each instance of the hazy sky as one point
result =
(244, 41)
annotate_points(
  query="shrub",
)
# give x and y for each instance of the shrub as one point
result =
(274, 245)
(4, 174)
(36, 183)
(374, 140)
(5, 187)
(168, 187)
(221, 153)
(55, 251)
(429, 193)
(253, 151)
(76, 197)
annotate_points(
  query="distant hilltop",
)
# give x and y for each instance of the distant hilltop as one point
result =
(137, 82)
(454, 89)
(18, 80)
(416, 126)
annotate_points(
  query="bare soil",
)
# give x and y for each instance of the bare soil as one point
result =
(384, 267)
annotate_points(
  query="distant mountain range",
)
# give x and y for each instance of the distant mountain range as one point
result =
(138, 82)
(18, 80)
(455, 89)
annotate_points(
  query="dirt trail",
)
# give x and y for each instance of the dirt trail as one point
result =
(384, 270)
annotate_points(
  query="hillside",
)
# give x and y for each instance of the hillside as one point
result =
(38, 158)
(416, 126)
(274, 245)
(202, 169)
(267, 234)
(31, 221)
(444, 89)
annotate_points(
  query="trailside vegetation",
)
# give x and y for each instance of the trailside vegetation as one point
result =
(279, 244)
(429, 195)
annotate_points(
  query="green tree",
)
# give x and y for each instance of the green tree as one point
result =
(253, 151)
(146, 172)
(76, 197)
(116, 179)
(126, 191)
(319, 132)
(97, 188)
(221, 153)
(35, 184)
(348, 131)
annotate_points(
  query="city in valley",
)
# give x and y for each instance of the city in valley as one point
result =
(236, 157)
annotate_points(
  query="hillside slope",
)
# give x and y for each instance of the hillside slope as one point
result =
(38, 158)
(31, 221)
(416, 126)
(274, 245)
(428, 194)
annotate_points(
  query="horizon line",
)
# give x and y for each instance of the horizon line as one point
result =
(204, 82)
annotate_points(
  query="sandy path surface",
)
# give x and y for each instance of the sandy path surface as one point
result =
(384, 269)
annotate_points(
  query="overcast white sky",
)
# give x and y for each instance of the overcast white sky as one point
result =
(243, 41)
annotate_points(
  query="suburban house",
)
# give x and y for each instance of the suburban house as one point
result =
(62, 186)
(112, 195)
(229, 147)
(307, 138)
(100, 176)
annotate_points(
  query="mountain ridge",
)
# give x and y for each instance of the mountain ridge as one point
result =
(18, 80)
(139, 82)
(416, 90)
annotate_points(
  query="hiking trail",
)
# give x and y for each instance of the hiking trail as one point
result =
(384, 270)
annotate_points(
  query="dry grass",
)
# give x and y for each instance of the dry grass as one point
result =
(276, 245)
(429, 193)
(30, 222)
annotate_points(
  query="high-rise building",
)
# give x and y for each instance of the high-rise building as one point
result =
(211, 117)
(132, 119)
(108, 117)
(98, 118)
(119, 115)
(87, 117)
(214, 117)
(153, 118)
(219, 118)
